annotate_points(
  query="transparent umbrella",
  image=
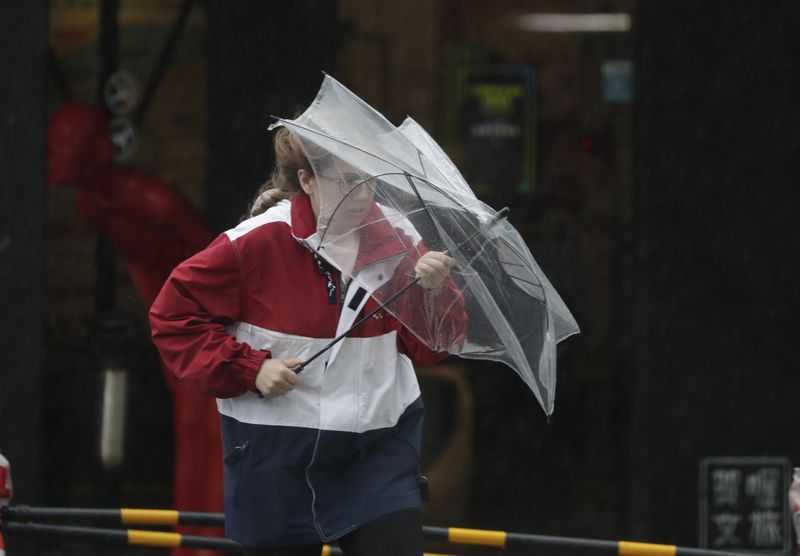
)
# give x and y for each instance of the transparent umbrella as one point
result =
(389, 194)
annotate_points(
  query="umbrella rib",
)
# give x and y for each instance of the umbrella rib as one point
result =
(524, 281)
(511, 335)
(341, 142)
(510, 263)
(362, 182)
(520, 278)
(421, 157)
(534, 284)
(544, 290)
(340, 203)
(421, 201)
(502, 213)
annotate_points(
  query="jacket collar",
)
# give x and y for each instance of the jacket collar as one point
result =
(382, 242)
(304, 223)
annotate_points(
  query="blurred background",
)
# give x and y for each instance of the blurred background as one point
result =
(648, 151)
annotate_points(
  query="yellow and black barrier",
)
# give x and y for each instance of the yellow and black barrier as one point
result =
(454, 535)
(122, 536)
(15, 523)
(520, 541)
(156, 539)
(122, 516)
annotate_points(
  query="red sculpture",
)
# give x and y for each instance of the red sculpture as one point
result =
(151, 227)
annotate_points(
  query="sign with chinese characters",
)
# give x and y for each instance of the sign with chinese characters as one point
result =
(743, 504)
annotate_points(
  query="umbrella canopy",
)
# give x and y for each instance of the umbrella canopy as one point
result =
(386, 195)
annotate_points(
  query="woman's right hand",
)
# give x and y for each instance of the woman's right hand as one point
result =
(432, 268)
(276, 377)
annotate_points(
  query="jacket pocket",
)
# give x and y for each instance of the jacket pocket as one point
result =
(237, 453)
(234, 469)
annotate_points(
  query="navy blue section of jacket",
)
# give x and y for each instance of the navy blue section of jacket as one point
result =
(288, 486)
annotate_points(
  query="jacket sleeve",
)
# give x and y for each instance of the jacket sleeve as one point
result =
(438, 315)
(188, 318)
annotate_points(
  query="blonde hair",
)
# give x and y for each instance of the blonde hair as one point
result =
(283, 183)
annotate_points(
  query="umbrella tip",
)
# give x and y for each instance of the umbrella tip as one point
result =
(501, 214)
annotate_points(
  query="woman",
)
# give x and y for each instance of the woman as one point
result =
(331, 453)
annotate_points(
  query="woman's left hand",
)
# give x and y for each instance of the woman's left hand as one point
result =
(432, 268)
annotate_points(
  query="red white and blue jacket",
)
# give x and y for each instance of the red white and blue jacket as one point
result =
(343, 447)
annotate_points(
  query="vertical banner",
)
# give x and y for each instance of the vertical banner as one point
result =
(743, 504)
(495, 105)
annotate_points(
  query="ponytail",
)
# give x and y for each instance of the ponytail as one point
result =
(284, 183)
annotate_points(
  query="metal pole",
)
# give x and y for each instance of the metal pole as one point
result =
(163, 60)
(125, 536)
(123, 516)
(107, 58)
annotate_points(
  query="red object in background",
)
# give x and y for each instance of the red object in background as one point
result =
(5, 481)
(589, 144)
(152, 228)
(5, 494)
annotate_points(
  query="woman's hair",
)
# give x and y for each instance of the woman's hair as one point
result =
(283, 183)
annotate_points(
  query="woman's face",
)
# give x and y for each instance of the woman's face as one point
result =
(342, 196)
